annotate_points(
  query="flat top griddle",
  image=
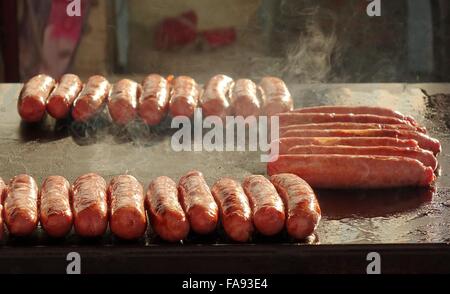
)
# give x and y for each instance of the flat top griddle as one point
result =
(414, 216)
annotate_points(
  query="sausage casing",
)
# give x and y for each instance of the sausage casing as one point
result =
(90, 207)
(21, 205)
(302, 208)
(246, 98)
(353, 126)
(61, 99)
(91, 99)
(55, 212)
(216, 97)
(267, 206)
(166, 214)
(277, 97)
(185, 97)
(235, 211)
(32, 99)
(154, 101)
(127, 212)
(122, 103)
(198, 203)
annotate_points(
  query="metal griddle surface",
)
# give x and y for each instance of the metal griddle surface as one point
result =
(372, 217)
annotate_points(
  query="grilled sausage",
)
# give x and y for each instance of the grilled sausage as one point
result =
(302, 208)
(246, 99)
(381, 111)
(2, 193)
(354, 171)
(166, 214)
(198, 203)
(423, 140)
(353, 126)
(286, 143)
(122, 103)
(21, 205)
(292, 118)
(277, 97)
(235, 211)
(424, 156)
(185, 97)
(127, 212)
(91, 99)
(55, 212)
(267, 206)
(32, 98)
(61, 99)
(215, 98)
(154, 101)
(90, 207)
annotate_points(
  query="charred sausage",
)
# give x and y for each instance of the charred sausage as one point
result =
(91, 99)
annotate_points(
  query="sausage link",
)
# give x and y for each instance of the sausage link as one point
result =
(61, 99)
(32, 98)
(91, 99)
(277, 96)
(122, 103)
(126, 204)
(267, 206)
(198, 203)
(292, 118)
(166, 214)
(2, 193)
(381, 111)
(216, 98)
(246, 98)
(21, 205)
(353, 126)
(287, 143)
(302, 208)
(55, 212)
(185, 97)
(354, 171)
(424, 156)
(154, 102)
(234, 208)
(423, 140)
(90, 207)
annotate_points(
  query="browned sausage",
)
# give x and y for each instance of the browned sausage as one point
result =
(423, 140)
(216, 98)
(302, 208)
(235, 211)
(246, 98)
(21, 205)
(353, 126)
(122, 103)
(287, 143)
(91, 99)
(382, 111)
(277, 96)
(198, 203)
(166, 214)
(2, 191)
(354, 171)
(185, 97)
(267, 206)
(32, 99)
(55, 211)
(90, 207)
(154, 101)
(292, 118)
(127, 212)
(424, 156)
(61, 99)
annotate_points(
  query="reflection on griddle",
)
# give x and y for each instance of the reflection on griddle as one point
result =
(339, 204)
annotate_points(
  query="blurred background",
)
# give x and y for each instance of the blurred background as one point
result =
(303, 41)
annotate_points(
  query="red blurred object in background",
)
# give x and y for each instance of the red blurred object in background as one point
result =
(219, 37)
(176, 31)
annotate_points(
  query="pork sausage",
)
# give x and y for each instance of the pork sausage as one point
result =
(246, 98)
(267, 206)
(154, 101)
(91, 99)
(185, 97)
(122, 103)
(32, 98)
(276, 96)
(353, 126)
(61, 99)
(216, 97)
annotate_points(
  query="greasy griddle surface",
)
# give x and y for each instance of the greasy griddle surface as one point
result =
(349, 217)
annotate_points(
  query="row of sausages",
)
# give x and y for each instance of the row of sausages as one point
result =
(173, 209)
(355, 147)
(152, 100)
